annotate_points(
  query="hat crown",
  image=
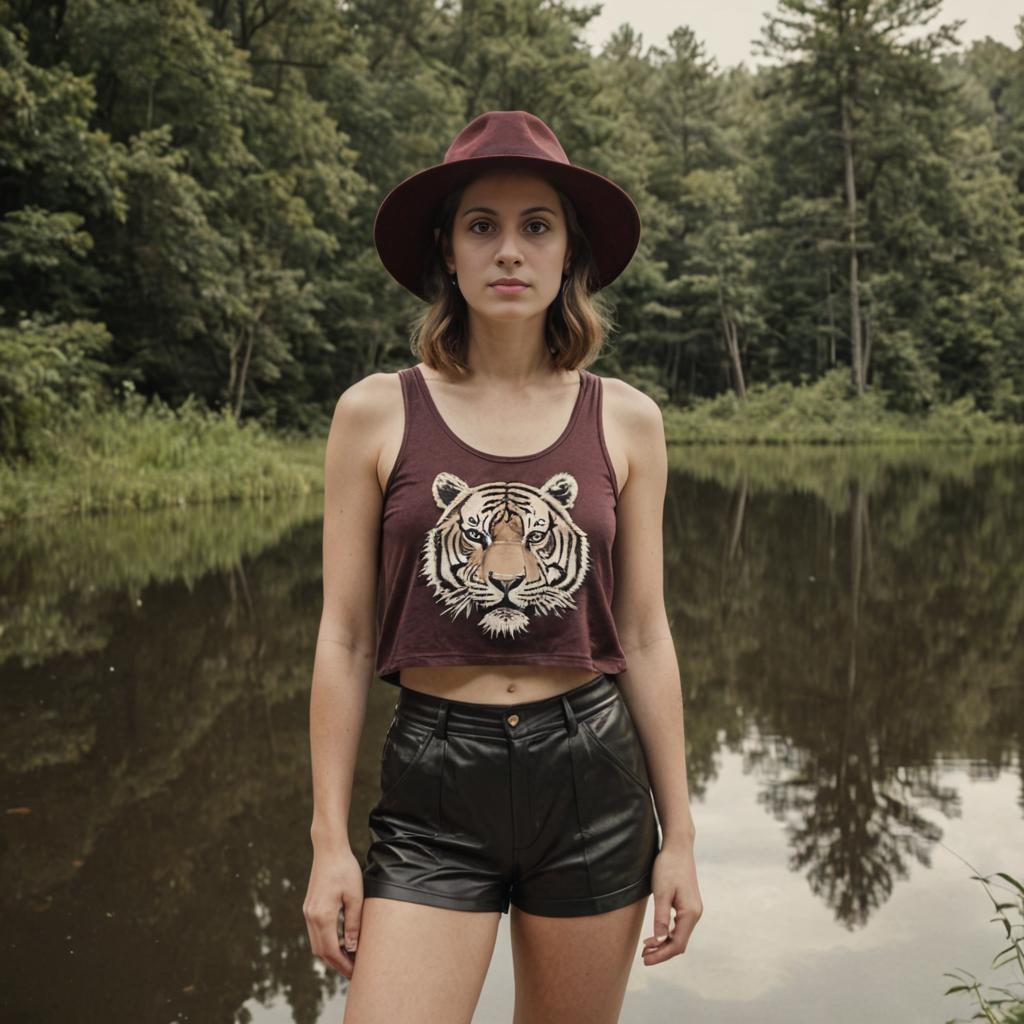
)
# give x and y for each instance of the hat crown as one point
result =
(506, 133)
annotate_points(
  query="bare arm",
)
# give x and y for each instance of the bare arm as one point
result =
(343, 665)
(651, 686)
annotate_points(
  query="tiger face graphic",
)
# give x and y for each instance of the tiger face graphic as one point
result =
(506, 549)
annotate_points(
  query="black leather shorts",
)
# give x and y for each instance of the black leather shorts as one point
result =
(544, 804)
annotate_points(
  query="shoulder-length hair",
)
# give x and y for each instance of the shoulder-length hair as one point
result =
(576, 324)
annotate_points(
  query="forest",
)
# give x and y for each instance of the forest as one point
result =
(189, 189)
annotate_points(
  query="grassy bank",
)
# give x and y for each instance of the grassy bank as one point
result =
(144, 455)
(825, 413)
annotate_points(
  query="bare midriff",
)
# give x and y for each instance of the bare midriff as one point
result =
(494, 684)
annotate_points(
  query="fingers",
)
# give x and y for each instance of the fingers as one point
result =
(322, 928)
(333, 908)
(654, 946)
(669, 940)
(333, 954)
(662, 920)
(351, 916)
(673, 944)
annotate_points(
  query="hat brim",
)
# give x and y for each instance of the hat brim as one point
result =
(403, 226)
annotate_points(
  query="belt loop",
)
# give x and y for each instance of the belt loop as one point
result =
(570, 715)
(439, 725)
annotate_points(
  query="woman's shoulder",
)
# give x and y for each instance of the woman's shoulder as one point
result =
(370, 406)
(366, 394)
(631, 424)
(370, 414)
(630, 406)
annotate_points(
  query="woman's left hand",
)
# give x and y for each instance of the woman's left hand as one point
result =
(674, 881)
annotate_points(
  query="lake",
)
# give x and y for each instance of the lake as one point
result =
(849, 626)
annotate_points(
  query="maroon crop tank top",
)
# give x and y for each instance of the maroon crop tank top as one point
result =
(497, 559)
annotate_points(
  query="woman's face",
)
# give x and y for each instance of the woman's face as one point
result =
(509, 224)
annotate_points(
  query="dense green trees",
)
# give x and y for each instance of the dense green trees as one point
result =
(189, 190)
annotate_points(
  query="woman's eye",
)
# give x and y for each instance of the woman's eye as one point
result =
(477, 223)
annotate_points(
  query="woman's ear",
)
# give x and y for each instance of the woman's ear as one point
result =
(446, 258)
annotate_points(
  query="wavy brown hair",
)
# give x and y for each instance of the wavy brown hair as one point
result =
(577, 321)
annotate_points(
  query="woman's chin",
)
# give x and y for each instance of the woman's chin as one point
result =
(504, 310)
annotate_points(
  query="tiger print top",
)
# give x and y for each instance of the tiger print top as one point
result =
(497, 559)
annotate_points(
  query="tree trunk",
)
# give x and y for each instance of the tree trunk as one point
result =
(732, 346)
(868, 326)
(856, 352)
(830, 300)
(229, 390)
(240, 393)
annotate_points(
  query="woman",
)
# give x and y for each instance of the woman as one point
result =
(471, 506)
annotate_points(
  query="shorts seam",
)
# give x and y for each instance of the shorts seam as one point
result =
(584, 837)
(605, 895)
(642, 886)
(391, 790)
(615, 759)
(455, 902)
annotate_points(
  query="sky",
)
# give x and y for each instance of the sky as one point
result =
(726, 27)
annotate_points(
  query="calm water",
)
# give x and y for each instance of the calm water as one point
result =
(850, 632)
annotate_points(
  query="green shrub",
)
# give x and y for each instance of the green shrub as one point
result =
(998, 1005)
(47, 368)
(827, 411)
(140, 453)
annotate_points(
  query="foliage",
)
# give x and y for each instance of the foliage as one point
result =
(827, 411)
(190, 187)
(1000, 1005)
(142, 453)
(46, 367)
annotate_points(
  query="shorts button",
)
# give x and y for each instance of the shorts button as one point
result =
(513, 719)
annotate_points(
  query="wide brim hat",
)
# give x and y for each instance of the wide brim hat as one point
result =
(403, 230)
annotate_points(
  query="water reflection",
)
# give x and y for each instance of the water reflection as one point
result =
(847, 622)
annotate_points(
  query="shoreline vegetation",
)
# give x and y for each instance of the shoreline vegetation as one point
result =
(141, 454)
(828, 411)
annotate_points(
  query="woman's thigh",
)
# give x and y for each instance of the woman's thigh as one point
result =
(419, 964)
(574, 970)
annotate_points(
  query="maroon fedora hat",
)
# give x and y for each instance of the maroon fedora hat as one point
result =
(403, 228)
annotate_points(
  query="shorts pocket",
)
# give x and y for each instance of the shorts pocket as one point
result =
(614, 800)
(616, 738)
(404, 748)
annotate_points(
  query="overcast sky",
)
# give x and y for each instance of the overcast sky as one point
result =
(726, 27)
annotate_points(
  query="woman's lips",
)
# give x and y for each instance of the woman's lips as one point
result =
(510, 289)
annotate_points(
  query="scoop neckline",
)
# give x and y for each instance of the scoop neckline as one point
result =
(573, 417)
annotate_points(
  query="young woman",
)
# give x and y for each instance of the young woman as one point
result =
(493, 547)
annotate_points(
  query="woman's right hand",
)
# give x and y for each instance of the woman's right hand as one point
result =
(336, 880)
